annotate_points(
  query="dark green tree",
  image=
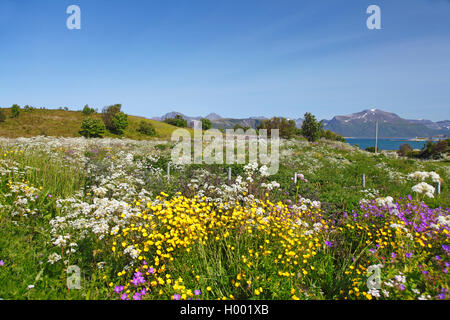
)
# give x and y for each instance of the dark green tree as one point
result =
(120, 122)
(311, 128)
(92, 128)
(15, 111)
(206, 124)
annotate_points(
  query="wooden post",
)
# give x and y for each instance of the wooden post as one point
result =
(295, 177)
(438, 188)
(363, 178)
(376, 138)
(229, 174)
(168, 171)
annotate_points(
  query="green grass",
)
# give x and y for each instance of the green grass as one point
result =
(61, 123)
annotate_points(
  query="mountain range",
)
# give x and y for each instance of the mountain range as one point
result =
(358, 125)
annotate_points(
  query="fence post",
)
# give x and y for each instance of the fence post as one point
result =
(168, 171)
(363, 178)
(438, 188)
(295, 177)
(229, 174)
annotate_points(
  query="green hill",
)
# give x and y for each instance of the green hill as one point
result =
(61, 123)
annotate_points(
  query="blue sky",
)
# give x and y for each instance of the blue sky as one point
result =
(236, 58)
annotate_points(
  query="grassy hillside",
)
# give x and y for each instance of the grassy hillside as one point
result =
(61, 123)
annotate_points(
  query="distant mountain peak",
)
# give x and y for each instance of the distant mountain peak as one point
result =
(213, 116)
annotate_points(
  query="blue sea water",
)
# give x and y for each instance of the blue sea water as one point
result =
(384, 144)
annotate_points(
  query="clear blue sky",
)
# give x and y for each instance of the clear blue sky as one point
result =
(236, 58)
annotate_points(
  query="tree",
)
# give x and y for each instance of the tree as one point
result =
(287, 127)
(120, 122)
(146, 128)
(15, 111)
(114, 120)
(206, 124)
(2, 115)
(178, 121)
(87, 111)
(92, 128)
(311, 128)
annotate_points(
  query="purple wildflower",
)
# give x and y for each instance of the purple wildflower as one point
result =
(118, 289)
(197, 292)
(176, 297)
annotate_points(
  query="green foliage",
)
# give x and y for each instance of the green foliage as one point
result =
(2, 115)
(311, 128)
(405, 150)
(120, 122)
(370, 149)
(114, 120)
(15, 111)
(206, 124)
(238, 126)
(92, 128)
(330, 135)
(108, 114)
(87, 110)
(435, 150)
(287, 127)
(28, 108)
(178, 121)
(146, 128)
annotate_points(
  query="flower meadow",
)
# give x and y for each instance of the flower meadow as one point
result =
(108, 207)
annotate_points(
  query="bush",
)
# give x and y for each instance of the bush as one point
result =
(91, 128)
(2, 115)
(87, 111)
(15, 111)
(28, 108)
(287, 127)
(370, 149)
(405, 150)
(115, 120)
(330, 135)
(435, 150)
(146, 128)
(178, 121)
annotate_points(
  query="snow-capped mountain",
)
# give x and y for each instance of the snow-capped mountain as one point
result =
(362, 124)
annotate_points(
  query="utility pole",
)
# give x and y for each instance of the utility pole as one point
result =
(376, 137)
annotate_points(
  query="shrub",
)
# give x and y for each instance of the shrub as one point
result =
(178, 121)
(370, 149)
(108, 114)
(146, 128)
(330, 135)
(87, 111)
(405, 150)
(2, 115)
(92, 128)
(15, 111)
(28, 108)
(287, 127)
(115, 120)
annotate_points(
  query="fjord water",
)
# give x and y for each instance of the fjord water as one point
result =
(384, 144)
